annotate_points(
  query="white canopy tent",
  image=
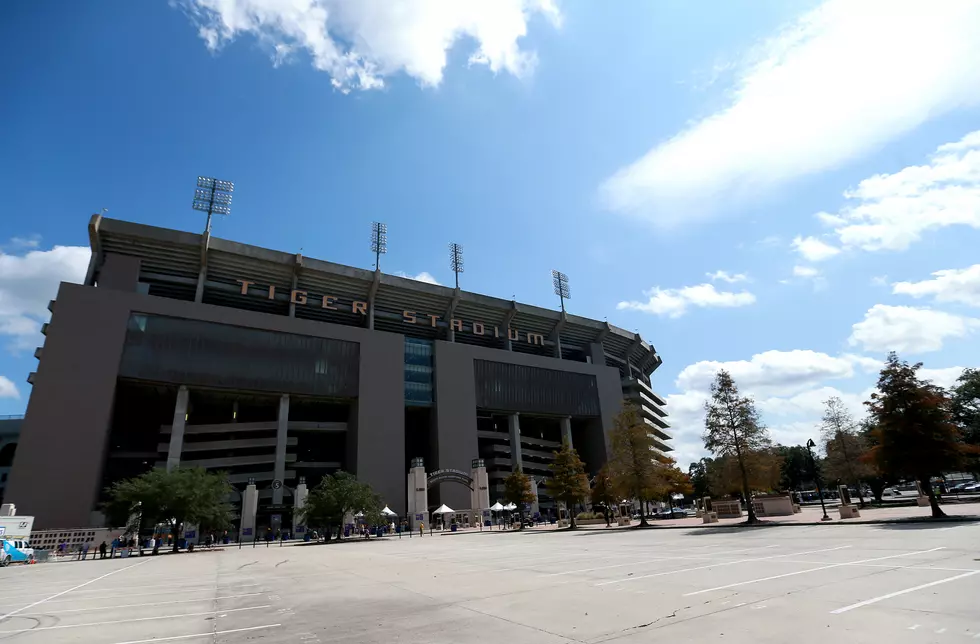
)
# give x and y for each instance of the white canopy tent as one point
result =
(496, 507)
(444, 509)
(510, 507)
(388, 513)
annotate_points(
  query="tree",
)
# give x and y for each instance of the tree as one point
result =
(674, 480)
(178, 497)
(916, 434)
(603, 494)
(698, 473)
(517, 490)
(336, 496)
(843, 445)
(965, 407)
(732, 428)
(631, 461)
(876, 479)
(568, 482)
(794, 467)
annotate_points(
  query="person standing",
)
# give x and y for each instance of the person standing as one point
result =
(85, 551)
(102, 550)
(421, 529)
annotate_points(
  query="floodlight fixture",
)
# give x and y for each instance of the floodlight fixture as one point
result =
(379, 242)
(456, 260)
(560, 281)
(213, 196)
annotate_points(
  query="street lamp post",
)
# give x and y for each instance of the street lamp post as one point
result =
(816, 478)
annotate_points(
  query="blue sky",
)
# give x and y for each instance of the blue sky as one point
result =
(769, 187)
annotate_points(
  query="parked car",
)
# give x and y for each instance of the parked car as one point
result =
(971, 487)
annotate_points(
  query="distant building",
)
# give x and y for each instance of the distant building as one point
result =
(183, 349)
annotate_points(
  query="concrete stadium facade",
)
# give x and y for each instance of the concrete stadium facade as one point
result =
(182, 349)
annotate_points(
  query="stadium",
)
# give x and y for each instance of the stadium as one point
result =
(185, 349)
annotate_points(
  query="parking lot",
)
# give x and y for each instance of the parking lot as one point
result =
(857, 583)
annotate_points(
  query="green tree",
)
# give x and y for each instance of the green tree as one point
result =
(674, 480)
(178, 497)
(568, 482)
(603, 494)
(732, 428)
(843, 445)
(794, 467)
(517, 490)
(631, 461)
(965, 407)
(875, 479)
(916, 434)
(336, 496)
(698, 473)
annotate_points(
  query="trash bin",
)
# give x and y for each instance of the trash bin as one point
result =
(453, 528)
(306, 537)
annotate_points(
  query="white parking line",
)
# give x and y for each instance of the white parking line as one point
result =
(189, 589)
(716, 565)
(803, 572)
(128, 621)
(654, 560)
(208, 634)
(875, 600)
(91, 581)
(176, 601)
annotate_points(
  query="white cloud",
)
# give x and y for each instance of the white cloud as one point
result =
(840, 82)
(25, 242)
(805, 271)
(424, 276)
(724, 276)
(814, 250)
(789, 388)
(775, 372)
(28, 282)
(908, 329)
(892, 211)
(879, 280)
(952, 285)
(944, 377)
(360, 43)
(674, 302)
(8, 389)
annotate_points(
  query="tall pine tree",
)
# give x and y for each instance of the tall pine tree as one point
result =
(916, 436)
(732, 428)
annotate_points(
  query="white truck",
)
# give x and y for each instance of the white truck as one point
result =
(15, 533)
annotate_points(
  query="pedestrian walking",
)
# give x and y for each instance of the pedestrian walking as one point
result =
(115, 546)
(421, 529)
(85, 551)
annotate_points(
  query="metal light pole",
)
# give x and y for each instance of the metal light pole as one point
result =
(379, 242)
(816, 477)
(560, 280)
(456, 260)
(213, 196)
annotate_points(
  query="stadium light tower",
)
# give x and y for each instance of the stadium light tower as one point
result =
(456, 260)
(379, 242)
(213, 196)
(560, 280)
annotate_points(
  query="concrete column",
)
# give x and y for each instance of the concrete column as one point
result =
(279, 471)
(177, 430)
(299, 500)
(480, 496)
(418, 494)
(566, 430)
(557, 346)
(250, 503)
(516, 458)
(535, 506)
